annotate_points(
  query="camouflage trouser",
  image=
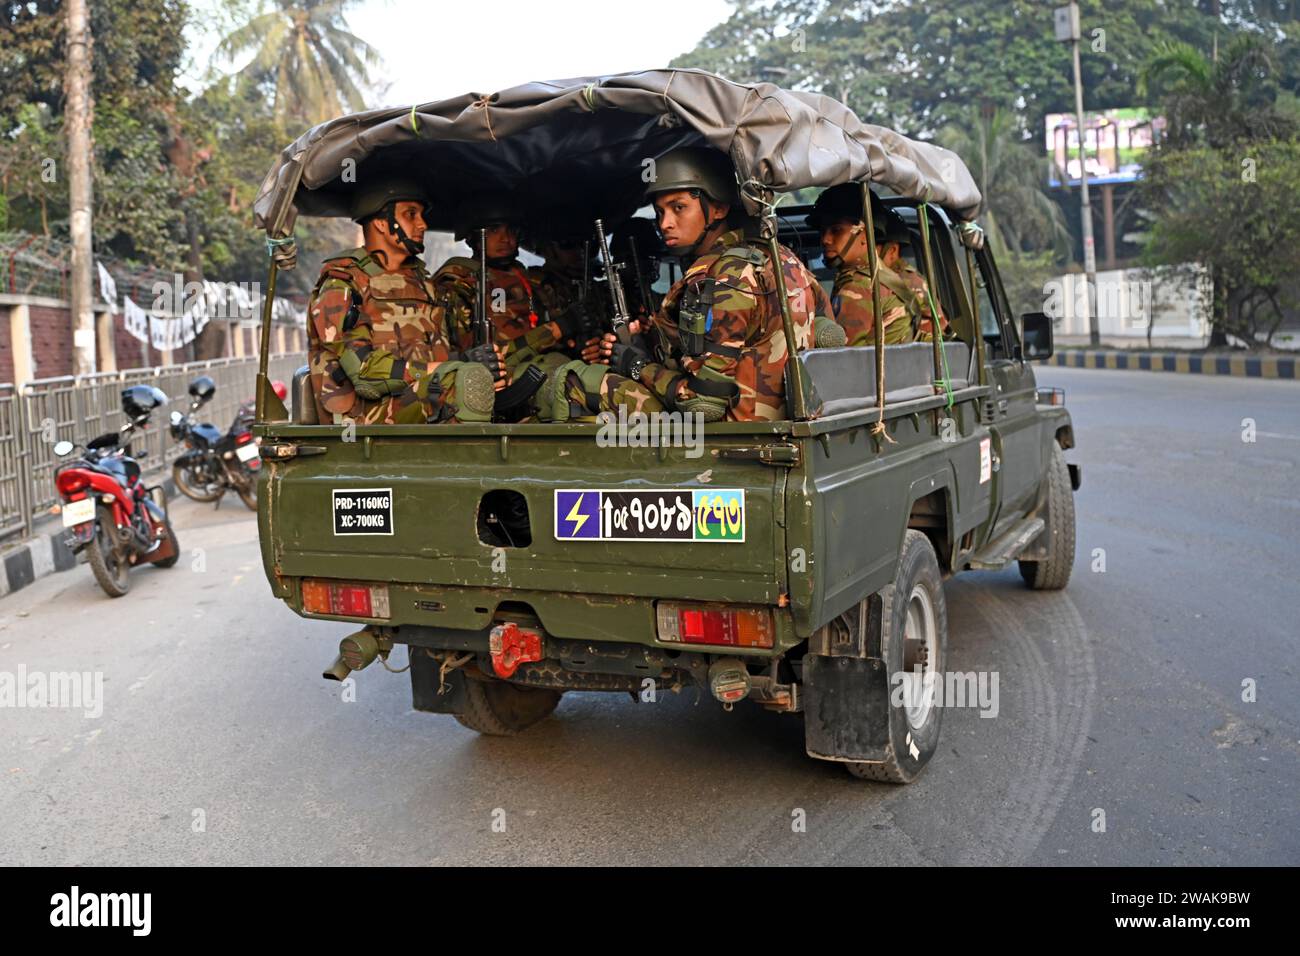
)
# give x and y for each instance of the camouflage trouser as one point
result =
(576, 391)
(464, 393)
(612, 392)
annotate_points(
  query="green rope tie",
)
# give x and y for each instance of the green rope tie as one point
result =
(415, 125)
(946, 381)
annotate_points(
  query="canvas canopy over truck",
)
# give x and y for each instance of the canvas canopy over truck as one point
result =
(519, 561)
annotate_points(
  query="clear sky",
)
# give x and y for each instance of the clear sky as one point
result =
(437, 49)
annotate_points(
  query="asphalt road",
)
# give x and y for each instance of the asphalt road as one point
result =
(220, 744)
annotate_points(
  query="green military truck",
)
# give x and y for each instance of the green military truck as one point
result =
(794, 564)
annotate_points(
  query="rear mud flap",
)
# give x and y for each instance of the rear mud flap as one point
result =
(425, 684)
(846, 708)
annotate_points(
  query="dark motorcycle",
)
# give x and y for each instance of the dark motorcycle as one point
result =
(108, 510)
(214, 463)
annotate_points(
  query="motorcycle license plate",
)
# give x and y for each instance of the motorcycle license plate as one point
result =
(247, 452)
(78, 512)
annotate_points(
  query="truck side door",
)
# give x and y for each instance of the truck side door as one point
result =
(1010, 412)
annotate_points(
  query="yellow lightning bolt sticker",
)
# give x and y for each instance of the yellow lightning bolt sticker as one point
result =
(578, 519)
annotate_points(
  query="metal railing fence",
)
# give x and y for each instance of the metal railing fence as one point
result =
(41, 413)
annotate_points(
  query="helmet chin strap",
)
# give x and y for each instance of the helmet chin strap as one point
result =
(709, 227)
(837, 260)
(395, 228)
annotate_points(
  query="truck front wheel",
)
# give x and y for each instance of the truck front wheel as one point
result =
(914, 631)
(501, 709)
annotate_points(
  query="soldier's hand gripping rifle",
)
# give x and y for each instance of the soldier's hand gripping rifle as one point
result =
(620, 318)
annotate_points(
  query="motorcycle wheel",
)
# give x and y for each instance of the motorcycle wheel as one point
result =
(110, 568)
(176, 548)
(188, 484)
(247, 491)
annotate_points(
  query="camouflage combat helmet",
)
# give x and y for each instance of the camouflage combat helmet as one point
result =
(374, 198)
(843, 203)
(699, 169)
(482, 210)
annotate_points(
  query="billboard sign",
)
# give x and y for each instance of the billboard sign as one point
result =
(1114, 141)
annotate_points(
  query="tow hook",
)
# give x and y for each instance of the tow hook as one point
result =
(356, 652)
(729, 680)
(511, 646)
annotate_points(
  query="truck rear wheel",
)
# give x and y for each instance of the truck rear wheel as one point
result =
(1053, 574)
(914, 631)
(501, 709)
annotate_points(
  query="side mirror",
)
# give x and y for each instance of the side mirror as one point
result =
(1037, 331)
(63, 449)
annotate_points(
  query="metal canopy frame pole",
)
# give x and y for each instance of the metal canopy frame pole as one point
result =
(877, 330)
(797, 402)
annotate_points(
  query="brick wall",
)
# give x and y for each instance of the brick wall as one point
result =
(51, 341)
(6, 346)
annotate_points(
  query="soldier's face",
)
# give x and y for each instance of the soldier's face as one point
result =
(680, 217)
(502, 241)
(837, 235)
(566, 255)
(410, 216)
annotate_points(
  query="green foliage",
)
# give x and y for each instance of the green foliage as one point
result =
(1221, 189)
(915, 65)
(1237, 211)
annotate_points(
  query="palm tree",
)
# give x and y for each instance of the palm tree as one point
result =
(303, 53)
(1018, 214)
(1219, 101)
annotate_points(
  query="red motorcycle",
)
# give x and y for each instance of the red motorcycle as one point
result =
(107, 509)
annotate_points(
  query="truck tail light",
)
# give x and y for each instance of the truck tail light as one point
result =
(718, 624)
(345, 600)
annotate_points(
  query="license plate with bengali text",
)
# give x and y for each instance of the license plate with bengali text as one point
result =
(247, 452)
(78, 512)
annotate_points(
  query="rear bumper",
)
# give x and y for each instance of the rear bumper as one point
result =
(451, 618)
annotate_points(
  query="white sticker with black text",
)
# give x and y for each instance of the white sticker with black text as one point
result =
(363, 510)
(986, 459)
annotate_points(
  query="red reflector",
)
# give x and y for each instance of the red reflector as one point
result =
(244, 439)
(692, 625)
(354, 601)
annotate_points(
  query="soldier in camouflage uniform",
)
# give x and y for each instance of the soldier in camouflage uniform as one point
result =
(892, 258)
(837, 214)
(377, 348)
(527, 333)
(717, 344)
(564, 282)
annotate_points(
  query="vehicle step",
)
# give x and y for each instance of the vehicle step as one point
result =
(1003, 550)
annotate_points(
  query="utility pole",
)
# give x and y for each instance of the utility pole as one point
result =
(1067, 29)
(78, 114)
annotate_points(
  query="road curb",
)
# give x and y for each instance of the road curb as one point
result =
(1241, 366)
(45, 553)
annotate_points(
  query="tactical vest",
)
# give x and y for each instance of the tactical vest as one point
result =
(383, 298)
